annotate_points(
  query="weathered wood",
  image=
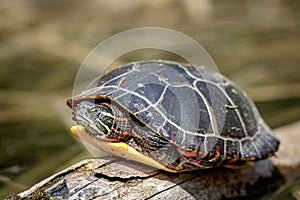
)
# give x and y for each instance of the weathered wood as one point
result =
(110, 177)
(115, 178)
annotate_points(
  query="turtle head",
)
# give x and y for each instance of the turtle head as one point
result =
(98, 119)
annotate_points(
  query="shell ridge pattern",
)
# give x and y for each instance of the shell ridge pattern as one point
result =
(197, 91)
(241, 149)
(197, 79)
(174, 124)
(121, 95)
(161, 126)
(223, 91)
(209, 110)
(255, 147)
(157, 102)
(203, 135)
(261, 131)
(247, 145)
(162, 95)
(205, 142)
(146, 88)
(240, 141)
(232, 103)
(171, 122)
(183, 138)
(269, 145)
(167, 84)
(225, 146)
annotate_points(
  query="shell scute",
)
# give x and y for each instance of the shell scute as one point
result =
(244, 108)
(225, 117)
(181, 75)
(152, 91)
(214, 147)
(232, 127)
(233, 149)
(249, 150)
(194, 143)
(266, 144)
(152, 118)
(168, 130)
(170, 106)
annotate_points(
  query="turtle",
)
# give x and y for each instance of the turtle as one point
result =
(172, 116)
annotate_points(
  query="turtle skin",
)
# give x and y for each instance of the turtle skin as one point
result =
(182, 116)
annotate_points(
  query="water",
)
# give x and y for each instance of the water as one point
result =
(42, 44)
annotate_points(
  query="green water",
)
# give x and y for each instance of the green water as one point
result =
(42, 44)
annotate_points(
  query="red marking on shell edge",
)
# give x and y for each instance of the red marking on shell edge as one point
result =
(172, 135)
(234, 159)
(252, 158)
(192, 153)
(217, 152)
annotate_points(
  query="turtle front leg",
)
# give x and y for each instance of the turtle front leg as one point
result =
(146, 138)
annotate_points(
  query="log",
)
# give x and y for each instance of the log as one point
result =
(117, 178)
(114, 178)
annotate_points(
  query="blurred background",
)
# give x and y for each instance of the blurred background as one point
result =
(43, 43)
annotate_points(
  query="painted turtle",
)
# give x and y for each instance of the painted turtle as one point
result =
(172, 116)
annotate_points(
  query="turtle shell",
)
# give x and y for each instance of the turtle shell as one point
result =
(189, 105)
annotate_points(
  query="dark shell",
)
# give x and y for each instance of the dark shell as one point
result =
(189, 105)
